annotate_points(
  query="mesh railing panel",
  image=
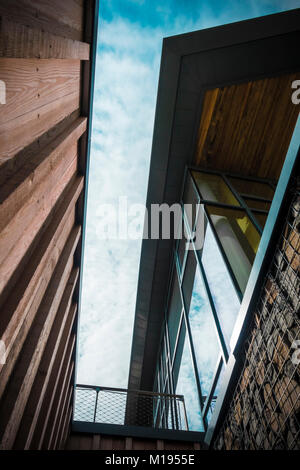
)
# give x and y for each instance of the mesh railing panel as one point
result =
(124, 407)
(264, 411)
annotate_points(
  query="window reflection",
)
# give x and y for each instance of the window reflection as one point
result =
(186, 385)
(253, 188)
(213, 188)
(174, 313)
(224, 295)
(204, 335)
(239, 239)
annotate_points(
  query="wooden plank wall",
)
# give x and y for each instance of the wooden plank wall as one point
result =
(246, 128)
(104, 442)
(44, 62)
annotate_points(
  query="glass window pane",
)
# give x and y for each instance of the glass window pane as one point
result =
(174, 313)
(186, 385)
(224, 295)
(215, 394)
(239, 239)
(253, 188)
(213, 188)
(204, 334)
(178, 354)
(255, 204)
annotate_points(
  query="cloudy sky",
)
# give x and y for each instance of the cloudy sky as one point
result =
(128, 59)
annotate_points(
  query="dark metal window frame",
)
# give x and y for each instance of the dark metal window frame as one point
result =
(178, 270)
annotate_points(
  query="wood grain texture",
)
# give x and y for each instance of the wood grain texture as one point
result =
(66, 429)
(14, 401)
(18, 189)
(41, 381)
(246, 128)
(81, 441)
(24, 42)
(22, 158)
(18, 133)
(32, 83)
(62, 361)
(65, 405)
(18, 234)
(18, 311)
(60, 397)
(43, 15)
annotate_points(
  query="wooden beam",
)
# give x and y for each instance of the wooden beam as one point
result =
(14, 401)
(21, 41)
(19, 310)
(41, 381)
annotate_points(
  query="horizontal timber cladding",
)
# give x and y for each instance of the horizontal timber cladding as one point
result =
(82, 441)
(45, 52)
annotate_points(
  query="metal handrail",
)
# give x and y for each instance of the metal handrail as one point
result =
(126, 390)
(134, 407)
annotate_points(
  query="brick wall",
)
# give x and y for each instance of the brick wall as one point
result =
(265, 410)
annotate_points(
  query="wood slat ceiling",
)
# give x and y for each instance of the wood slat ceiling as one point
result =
(247, 128)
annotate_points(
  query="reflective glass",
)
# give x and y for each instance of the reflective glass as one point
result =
(186, 385)
(202, 324)
(256, 204)
(239, 239)
(215, 394)
(174, 313)
(252, 188)
(224, 295)
(213, 188)
(204, 335)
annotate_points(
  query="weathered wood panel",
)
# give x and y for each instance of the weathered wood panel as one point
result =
(32, 83)
(21, 41)
(65, 405)
(62, 362)
(40, 384)
(16, 394)
(57, 407)
(246, 128)
(18, 133)
(43, 141)
(43, 15)
(18, 189)
(17, 236)
(82, 441)
(11, 166)
(19, 309)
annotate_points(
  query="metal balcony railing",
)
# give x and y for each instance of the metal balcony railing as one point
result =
(129, 407)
